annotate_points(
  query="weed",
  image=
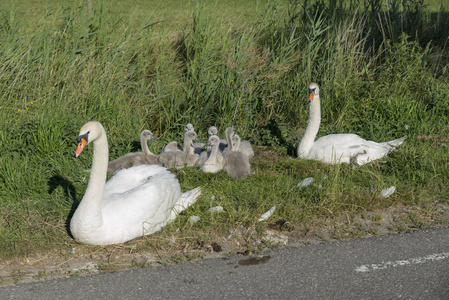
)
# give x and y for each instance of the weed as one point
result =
(17, 276)
(41, 274)
(107, 267)
(138, 264)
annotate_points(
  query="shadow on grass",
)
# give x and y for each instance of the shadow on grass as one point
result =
(275, 136)
(136, 146)
(69, 192)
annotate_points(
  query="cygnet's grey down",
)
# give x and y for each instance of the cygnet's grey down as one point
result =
(214, 163)
(197, 147)
(178, 159)
(214, 131)
(245, 146)
(136, 158)
(175, 146)
(235, 163)
(205, 154)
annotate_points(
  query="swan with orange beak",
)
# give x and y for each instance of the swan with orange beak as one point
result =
(338, 148)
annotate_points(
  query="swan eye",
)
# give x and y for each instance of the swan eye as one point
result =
(83, 137)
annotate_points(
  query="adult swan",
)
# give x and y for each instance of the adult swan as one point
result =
(338, 148)
(135, 202)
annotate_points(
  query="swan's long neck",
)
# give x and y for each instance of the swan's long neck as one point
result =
(229, 134)
(188, 150)
(313, 126)
(237, 144)
(144, 143)
(90, 206)
(213, 154)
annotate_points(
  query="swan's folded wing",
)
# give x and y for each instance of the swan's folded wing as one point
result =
(146, 205)
(127, 179)
(337, 148)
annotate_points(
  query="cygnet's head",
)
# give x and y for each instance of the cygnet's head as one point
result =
(148, 135)
(212, 131)
(236, 142)
(213, 140)
(191, 136)
(189, 126)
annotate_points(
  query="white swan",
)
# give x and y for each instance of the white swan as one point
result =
(214, 162)
(179, 158)
(135, 202)
(136, 158)
(235, 163)
(338, 148)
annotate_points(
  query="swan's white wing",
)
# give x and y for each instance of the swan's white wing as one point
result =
(340, 140)
(142, 210)
(152, 201)
(342, 148)
(127, 179)
(337, 148)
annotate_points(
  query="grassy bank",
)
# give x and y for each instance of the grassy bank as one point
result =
(383, 73)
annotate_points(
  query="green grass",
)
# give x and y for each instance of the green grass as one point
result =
(247, 64)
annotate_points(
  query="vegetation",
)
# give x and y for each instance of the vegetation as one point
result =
(382, 67)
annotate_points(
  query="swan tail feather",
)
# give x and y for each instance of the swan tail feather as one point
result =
(397, 142)
(186, 199)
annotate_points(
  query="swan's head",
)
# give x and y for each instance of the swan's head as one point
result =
(313, 90)
(212, 131)
(148, 135)
(213, 140)
(189, 126)
(191, 136)
(89, 132)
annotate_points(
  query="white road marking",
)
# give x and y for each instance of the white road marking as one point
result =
(406, 262)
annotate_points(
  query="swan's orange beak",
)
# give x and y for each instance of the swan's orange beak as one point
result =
(80, 148)
(311, 95)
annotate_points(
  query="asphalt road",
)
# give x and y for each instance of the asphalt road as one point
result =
(406, 266)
